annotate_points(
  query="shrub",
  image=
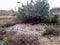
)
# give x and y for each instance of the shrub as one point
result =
(47, 19)
(55, 19)
(33, 20)
(34, 9)
(52, 31)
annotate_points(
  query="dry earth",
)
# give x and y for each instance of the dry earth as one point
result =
(38, 29)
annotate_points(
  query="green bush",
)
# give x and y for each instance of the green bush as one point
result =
(55, 19)
(21, 17)
(34, 9)
(47, 19)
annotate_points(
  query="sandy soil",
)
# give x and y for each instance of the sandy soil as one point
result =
(39, 29)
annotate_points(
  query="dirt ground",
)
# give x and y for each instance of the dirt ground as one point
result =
(39, 29)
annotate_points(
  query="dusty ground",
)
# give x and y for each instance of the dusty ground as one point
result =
(39, 29)
(27, 27)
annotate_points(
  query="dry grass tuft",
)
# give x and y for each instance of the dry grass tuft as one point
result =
(50, 30)
(23, 38)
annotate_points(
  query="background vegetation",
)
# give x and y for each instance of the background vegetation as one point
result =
(36, 12)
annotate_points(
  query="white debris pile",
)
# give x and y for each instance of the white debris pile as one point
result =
(27, 27)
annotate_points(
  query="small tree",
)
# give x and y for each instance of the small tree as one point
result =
(40, 8)
(34, 9)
